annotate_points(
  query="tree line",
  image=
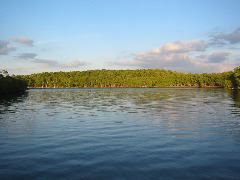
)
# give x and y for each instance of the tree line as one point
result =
(151, 78)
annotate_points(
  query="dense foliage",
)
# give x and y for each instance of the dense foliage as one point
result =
(236, 78)
(132, 78)
(11, 84)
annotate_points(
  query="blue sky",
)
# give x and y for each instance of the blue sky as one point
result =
(186, 35)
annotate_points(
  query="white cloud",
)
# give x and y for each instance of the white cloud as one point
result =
(182, 47)
(187, 56)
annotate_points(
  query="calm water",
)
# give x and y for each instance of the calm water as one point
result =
(120, 134)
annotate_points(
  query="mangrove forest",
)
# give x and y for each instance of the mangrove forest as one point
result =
(150, 78)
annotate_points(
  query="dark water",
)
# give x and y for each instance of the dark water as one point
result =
(121, 134)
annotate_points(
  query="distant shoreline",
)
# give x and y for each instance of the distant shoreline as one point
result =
(186, 87)
(144, 78)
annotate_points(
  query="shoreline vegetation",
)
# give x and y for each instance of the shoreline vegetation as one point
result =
(11, 85)
(142, 78)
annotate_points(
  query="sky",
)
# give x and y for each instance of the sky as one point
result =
(71, 35)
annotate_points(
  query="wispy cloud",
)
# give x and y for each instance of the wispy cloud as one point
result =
(221, 38)
(5, 48)
(27, 56)
(74, 64)
(218, 57)
(48, 63)
(23, 40)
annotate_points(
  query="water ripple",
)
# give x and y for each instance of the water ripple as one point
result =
(120, 134)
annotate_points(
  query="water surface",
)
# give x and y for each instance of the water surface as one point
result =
(120, 134)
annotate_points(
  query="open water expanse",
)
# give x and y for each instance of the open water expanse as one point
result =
(120, 134)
